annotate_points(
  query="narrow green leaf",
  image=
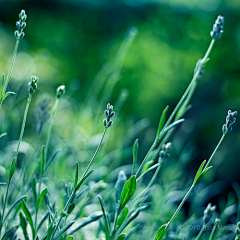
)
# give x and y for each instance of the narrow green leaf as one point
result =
(42, 195)
(14, 205)
(63, 230)
(1, 90)
(135, 154)
(107, 224)
(71, 207)
(123, 216)
(34, 191)
(12, 168)
(42, 160)
(127, 192)
(76, 175)
(10, 233)
(92, 218)
(147, 166)
(28, 216)
(2, 183)
(69, 238)
(5, 95)
(82, 180)
(52, 158)
(23, 223)
(122, 236)
(3, 135)
(199, 172)
(173, 124)
(203, 173)
(160, 232)
(43, 220)
(49, 232)
(162, 121)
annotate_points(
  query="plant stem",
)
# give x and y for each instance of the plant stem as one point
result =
(90, 163)
(50, 128)
(214, 229)
(11, 68)
(16, 154)
(216, 148)
(201, 232)
(146, 157)
(24, 122)
(73, 192)
(178, 209)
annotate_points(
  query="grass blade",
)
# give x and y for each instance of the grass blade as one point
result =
(14, 205)
(28, 216)
(135, 154)
(161, 122)
(63, 230)
(105, 216)
(42, 195)
(23, 223)
(82, 180)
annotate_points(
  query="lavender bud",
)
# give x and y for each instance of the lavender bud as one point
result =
(60, 91)
(217, 31)
(230, 120)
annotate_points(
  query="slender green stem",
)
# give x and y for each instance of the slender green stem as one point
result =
(73, 192)
(150, 169)
(217, 221)
(146, 157)
(50, 128)
(90, 163)
(11, 68)
(216, 148)
(178, 209)
(201, 232)
(24, 122)
(186, 96)
(16, 154)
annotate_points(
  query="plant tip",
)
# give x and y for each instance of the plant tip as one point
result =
(60, 91)
(217, 31)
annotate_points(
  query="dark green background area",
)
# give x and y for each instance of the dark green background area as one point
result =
(71, 40)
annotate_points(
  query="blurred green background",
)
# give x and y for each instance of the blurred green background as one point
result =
(69, 42)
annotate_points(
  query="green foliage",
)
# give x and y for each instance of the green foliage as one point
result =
(34, 196)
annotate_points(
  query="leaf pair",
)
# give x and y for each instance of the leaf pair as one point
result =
(161, 129)
(201, 172)
(2, 94)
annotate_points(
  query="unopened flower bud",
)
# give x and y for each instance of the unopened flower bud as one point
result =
(217, 31)
(32, 85)
(230, 120)
(207, 214)
(60, 91)
(109, 114)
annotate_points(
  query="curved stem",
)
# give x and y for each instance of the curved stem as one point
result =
(146, 157)
(90, 163)
(178, 209)
(216, 148)
(16, 154)
(201, 232)
(11, 68)
(73, 192)
(50, 129)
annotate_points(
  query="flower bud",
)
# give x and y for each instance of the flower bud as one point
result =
(217, 31)
(32, 85)
(230, 120)
(60, 91)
